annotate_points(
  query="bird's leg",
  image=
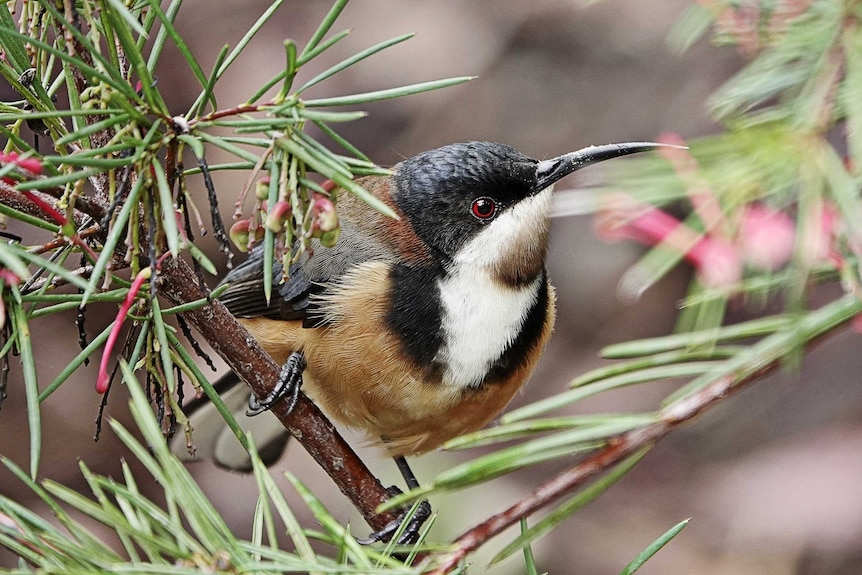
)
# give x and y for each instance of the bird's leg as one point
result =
(406, 472)
(415, 520)
(288, 385)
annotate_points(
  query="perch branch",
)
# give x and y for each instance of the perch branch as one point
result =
(305, 422)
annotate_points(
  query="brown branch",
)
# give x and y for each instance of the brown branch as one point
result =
(83, 205)
(14, 199)
(254, 366)
(568, 481)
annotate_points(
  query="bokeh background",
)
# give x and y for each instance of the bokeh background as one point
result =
(770, 477)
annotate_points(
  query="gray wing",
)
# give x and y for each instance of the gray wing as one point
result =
(292, 298)
(245, 295)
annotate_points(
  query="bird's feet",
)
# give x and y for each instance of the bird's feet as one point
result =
(411, 520)
(288, 385)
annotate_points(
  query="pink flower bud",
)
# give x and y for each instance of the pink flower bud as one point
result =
(261, 189)
(326, 220)
(329, 186)
(239, 235)
(277, 217)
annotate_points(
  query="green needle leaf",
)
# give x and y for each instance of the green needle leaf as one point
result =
(247, 37)
(344, 64)
(31, 385)
(166, 203)
(323, 29)
(168, 29)
(388, 94)
(120, 8)
(654, 548)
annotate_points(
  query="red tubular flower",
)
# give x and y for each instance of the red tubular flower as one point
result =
(32, 165)
(716, 261)
(104, 379)
(48, 209)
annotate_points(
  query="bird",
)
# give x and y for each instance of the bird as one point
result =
(420, 328)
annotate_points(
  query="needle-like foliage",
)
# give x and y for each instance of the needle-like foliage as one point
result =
(98, 169)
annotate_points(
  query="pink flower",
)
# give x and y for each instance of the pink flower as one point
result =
(717, 262)
(766, 237)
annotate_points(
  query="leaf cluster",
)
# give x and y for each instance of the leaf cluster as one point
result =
(115, 170)
(185, 534)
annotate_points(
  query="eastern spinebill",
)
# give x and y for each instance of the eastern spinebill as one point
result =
(422, 328)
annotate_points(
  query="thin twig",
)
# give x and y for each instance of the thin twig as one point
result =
(60, 242)
(187, 332)
(57, 281)
(219, 232)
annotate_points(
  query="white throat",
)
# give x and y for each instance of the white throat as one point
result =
(482, 316)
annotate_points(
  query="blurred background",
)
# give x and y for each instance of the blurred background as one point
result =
(770, 477)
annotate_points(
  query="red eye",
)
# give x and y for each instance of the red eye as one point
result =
(483, 208)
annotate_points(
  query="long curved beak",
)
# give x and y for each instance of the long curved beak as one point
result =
(549, 171)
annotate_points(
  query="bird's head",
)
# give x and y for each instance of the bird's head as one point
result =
(488, 203)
